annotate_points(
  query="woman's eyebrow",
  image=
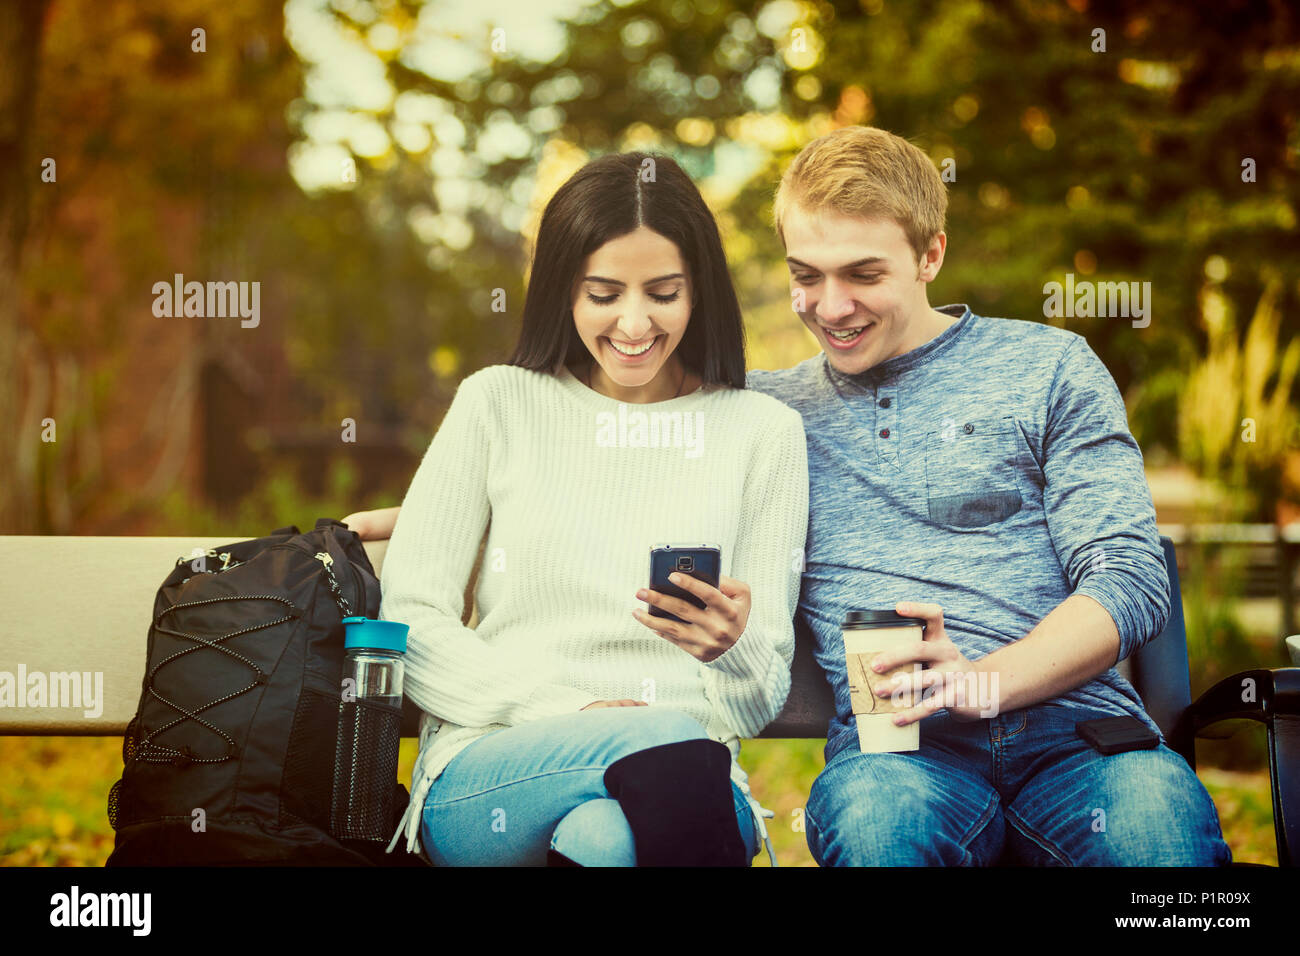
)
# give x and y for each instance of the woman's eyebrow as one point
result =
(604, 281)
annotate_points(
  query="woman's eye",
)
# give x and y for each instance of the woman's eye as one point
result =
(607, 299)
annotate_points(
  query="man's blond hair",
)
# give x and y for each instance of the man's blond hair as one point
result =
(868, 173)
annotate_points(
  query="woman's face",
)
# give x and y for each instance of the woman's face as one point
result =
(631, 306)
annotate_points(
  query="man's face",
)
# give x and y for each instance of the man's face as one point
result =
(861, 277)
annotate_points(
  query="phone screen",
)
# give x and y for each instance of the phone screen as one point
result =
(699, 561)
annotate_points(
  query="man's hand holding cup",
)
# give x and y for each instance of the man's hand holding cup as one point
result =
(949, 677)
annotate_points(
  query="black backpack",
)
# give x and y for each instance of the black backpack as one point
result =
(229, 759)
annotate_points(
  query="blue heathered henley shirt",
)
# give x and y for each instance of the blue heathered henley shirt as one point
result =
(990, 471)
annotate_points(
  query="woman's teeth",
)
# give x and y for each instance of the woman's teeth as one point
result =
(638, 350)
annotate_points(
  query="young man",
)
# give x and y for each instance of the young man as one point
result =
(978, 473)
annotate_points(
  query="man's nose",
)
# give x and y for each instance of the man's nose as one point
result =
(835, 303)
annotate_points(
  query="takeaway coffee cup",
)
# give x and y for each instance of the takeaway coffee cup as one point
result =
(866, 634)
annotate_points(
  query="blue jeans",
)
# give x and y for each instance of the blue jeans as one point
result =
(512, 794)
(1020, 788)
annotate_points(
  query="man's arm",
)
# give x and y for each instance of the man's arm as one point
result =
(1099, 512)
(1103, 525)
(373, 525)
(1075, 642)
(1097, 502)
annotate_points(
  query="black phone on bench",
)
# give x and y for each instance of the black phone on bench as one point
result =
(1116, 735)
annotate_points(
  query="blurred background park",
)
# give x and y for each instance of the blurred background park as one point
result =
(378, 166)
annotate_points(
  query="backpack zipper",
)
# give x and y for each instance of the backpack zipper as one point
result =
(339, 598)
(322, 556)
(358, 582)
(211, 553)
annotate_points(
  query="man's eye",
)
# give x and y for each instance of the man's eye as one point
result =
(601, 300)
(666, 298)
(804, 277)
(867, 278)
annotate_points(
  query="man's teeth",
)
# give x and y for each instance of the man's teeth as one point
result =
(635, 351)
(846, 334)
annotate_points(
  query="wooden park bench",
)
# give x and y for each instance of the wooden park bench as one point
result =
(83, 605)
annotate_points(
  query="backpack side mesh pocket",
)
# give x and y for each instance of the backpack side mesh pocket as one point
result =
(369, 736)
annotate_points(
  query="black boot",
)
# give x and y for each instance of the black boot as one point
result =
(677, 800)
(556, 858)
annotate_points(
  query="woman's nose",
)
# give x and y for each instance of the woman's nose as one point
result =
(634, 324)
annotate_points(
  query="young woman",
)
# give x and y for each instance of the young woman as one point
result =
(571, 726)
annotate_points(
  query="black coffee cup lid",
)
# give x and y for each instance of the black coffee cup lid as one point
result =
(880, 619)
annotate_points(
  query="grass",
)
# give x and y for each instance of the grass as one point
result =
(52, 808)
(1245, 808)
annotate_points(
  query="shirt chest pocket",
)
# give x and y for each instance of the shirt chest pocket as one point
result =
(970, 472)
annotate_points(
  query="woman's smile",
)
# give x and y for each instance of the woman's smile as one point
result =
(631, 353)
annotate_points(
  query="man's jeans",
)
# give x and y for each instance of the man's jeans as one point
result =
(1023, 783)
(511, 794)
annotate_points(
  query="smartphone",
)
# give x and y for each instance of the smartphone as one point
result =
(1116, 735)
(703, 561)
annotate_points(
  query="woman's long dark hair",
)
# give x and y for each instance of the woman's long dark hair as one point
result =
(608, 198)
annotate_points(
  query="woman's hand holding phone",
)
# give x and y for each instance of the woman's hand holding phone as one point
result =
(710, 631)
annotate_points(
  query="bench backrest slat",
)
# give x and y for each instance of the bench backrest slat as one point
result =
(83, 604)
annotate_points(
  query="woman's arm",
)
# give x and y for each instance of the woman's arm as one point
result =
(450, 671)
(749, 683)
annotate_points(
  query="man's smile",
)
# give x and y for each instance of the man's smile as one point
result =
(847, 337)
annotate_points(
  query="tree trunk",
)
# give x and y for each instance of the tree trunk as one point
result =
(21, 26)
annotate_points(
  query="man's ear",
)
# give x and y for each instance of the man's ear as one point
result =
(932, 261)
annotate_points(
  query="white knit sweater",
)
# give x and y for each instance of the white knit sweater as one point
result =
(578, 488)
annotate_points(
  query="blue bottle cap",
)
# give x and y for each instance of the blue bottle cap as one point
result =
(362, 632)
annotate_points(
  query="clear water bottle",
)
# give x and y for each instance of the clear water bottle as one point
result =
(369, 731)
(372, 661)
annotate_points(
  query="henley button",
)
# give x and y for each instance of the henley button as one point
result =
(968, 428)
(884, 433)
(884, 403)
